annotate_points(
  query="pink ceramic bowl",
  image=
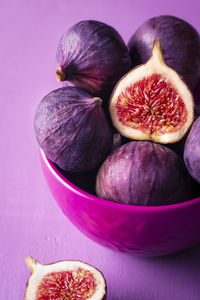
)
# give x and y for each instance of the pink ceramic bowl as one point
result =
(146, 231)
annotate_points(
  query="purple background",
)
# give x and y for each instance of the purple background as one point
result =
(31, 223)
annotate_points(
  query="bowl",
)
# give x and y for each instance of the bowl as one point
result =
(142, 230)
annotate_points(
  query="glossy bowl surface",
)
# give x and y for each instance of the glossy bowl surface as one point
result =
(144, 231)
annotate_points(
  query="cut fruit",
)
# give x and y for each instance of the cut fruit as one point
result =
(64, 280)
(152, 102)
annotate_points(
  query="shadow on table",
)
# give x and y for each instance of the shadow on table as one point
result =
(185, 257)
(174, 277)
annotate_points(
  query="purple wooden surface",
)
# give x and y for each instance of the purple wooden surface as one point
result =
(31, 222)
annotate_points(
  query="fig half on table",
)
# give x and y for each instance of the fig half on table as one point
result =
(152, 102)
(64, 280)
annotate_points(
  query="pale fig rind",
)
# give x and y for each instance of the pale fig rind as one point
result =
(144, 173)
(72, 130)
(155, 65)
(39, 271)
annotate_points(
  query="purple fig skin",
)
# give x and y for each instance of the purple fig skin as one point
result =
(180, 45)
(192, 151)
(144, 173)
(71, 128)
(93, 56)
(196, 95)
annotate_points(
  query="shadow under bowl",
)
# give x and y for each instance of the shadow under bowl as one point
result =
(142, 230)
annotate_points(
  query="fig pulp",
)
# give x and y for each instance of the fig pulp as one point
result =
(180, 43)
(151, 102)
(93, 56)
(192, 151)
(64, 280)
(144, 173)
(72, 130)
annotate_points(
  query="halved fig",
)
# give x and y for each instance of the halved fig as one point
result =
(64, 280)
(152, 102)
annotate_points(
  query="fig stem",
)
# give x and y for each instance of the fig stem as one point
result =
(98, 101)
(31, 262)
(157, 51)
(60, 74)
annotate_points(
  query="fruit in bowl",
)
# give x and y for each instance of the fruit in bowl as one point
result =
(192, 151)
(71, 128)
(145, 202)
(93, 56)
(144, 173)
(152, 102)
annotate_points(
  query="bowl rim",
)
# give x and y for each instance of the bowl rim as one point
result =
(69, 185)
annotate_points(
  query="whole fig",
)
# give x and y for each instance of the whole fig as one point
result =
(71, 128)
(180, 44)
(192, 151)
(196, 95)
(93, 56)
(144, 173)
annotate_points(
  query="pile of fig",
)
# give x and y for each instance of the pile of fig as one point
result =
(125, 125)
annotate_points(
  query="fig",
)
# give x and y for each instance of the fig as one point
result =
(196, 95)
(180, 43)
(144, 173)
(64, 280)
(93, 56)
(152, 102)
(72, 130)
(192, 151)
